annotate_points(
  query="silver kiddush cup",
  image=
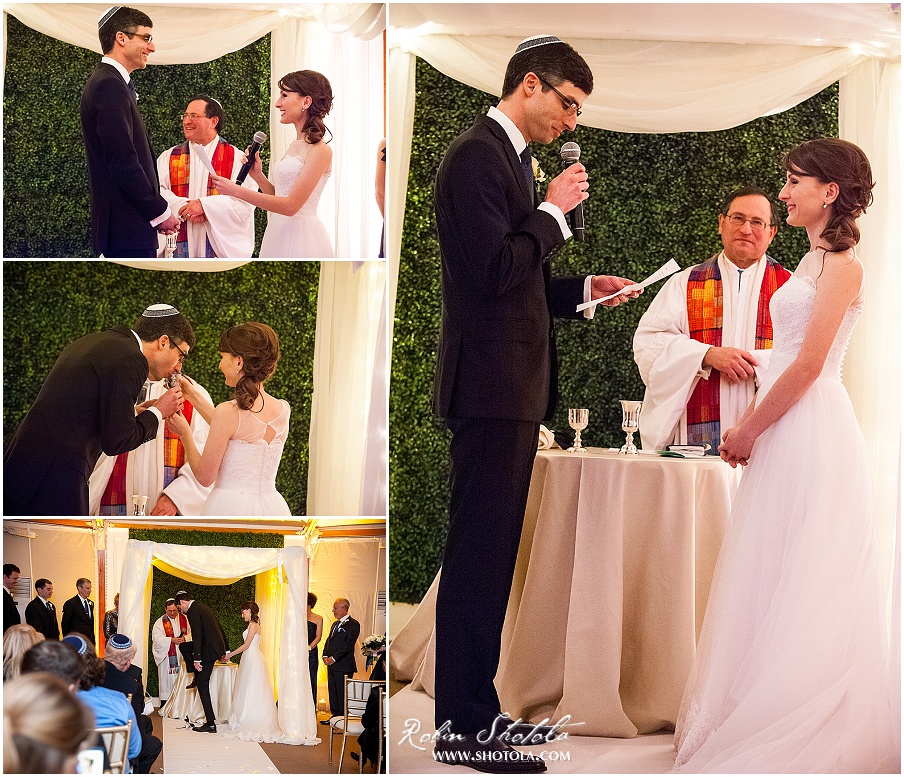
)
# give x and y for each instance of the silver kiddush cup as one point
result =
(630, 419)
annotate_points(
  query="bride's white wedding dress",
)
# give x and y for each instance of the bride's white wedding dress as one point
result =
(253, 715)
(302, 236)
(791, 670)
(246, 482)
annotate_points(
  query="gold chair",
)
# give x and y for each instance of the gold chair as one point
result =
(349, 723)
(116, 743)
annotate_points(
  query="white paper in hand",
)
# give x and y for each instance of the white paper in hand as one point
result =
(202, 155)
(671, 266)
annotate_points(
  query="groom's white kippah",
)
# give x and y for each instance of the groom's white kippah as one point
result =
(159, 311)
(108, 14)
(536, 40)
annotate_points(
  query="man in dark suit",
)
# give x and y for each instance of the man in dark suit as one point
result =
(87, 405)
(339, 654)
(78, 612)
(497, 368)
(11, 615)
(121, 675)
(127, 209)
(40, 613)
(208, 645)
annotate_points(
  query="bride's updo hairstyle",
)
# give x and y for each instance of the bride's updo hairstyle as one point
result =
(255, 611)
(831, 160)
(310, 83)
(258, 346)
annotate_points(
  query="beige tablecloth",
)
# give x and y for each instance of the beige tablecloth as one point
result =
(610, 589)
(184, 702)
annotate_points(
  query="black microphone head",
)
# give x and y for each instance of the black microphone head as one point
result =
(570, 152)
(260, 137)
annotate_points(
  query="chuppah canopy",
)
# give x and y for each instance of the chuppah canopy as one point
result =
(341, 40)
(701, 67)
(281, 590)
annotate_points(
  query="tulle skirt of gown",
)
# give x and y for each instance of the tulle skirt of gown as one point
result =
(253, 707)
(301, 236)
(791, 671)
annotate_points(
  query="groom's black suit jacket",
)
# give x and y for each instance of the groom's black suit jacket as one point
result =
(86, 405)
(497, 355)
(122, 168)
(41, 619)
(208, 640)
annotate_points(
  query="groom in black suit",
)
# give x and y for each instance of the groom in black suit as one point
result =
(497, 367)
(127, 209)
(208, 646)
(87, 405)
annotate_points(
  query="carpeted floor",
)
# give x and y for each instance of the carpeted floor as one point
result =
(287, 759)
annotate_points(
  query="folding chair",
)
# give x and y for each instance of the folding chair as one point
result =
(349, 724)
(116, 743)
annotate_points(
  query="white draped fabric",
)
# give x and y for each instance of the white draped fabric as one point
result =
(343, 41)
(701, 67)
(348, 328)
(222, 566)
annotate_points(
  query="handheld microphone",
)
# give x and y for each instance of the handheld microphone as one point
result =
(571, 153)
(259, 138)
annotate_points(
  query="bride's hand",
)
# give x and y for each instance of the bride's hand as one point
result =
(178, 425)
(257, 168)
(736, 447)
(189, 389)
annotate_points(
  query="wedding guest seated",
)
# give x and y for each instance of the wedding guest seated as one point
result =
(62, 660)
(110, 708)
(120, 675)
(16, 641)
(43, 725)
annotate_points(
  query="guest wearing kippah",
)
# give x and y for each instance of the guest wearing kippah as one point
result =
(121, 675)
(87, 405)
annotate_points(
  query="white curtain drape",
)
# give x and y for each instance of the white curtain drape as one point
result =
(221, 566)
(701, 67)
(342, 41)
(348, 317)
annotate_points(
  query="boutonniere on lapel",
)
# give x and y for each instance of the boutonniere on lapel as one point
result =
(539, 175)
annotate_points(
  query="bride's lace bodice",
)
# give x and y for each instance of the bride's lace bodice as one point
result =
(253, 454)
(255, 643)
(284, 175)
(791, 308)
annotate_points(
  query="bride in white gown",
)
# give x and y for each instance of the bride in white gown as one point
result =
(294, 231)
(247, 434)
(253, 715)
(791, 671)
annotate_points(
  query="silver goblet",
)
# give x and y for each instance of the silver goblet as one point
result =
(171, 380)
(139, 503)
(629, 424)
(577, 420)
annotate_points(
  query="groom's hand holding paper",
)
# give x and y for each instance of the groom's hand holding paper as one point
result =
(611, 290)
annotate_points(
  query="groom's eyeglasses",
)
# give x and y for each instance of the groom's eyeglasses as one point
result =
(571, 107)
(184, 355)
(146, 38)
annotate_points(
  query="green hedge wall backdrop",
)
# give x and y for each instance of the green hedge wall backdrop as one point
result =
(225, 600)
(45, 171)
(47, 305)
(652, 197)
